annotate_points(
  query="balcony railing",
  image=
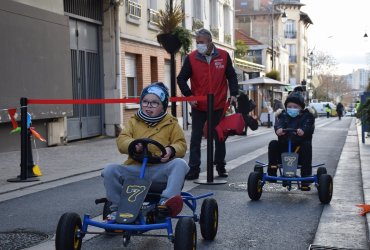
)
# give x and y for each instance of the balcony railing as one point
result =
(215, 33)
(133, 9)
(153, 16)
(293, 59)
(227, 38)
(197, 24)
(290, 34)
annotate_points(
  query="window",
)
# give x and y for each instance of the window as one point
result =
(290, 29)
(197, 9)
(167, 74)
(213, 14)
(131, 79)
(152, 4)
(227, 25)
(292, 53)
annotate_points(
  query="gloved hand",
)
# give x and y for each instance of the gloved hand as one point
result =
(365, 209)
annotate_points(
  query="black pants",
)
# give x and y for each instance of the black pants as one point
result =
(276, 148)
(327, 114)
(198, 120)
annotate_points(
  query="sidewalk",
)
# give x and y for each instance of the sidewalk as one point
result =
(340, 225)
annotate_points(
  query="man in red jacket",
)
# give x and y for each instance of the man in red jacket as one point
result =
(210, 70)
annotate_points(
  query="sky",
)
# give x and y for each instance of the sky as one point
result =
(338, 29)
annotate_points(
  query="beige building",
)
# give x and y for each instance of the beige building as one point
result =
(283, 27)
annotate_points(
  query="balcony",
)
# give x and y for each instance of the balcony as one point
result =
(215, 33)
(290, 34)
(197, 24)
(227, 38)
(133, 12)
(292, 59)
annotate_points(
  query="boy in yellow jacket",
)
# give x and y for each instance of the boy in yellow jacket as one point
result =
(151, 121)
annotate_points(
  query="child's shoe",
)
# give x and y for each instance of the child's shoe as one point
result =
(173, 204)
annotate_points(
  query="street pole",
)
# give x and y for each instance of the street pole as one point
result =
(173, 74)
(272, 37)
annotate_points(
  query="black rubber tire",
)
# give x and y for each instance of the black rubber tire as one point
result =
(325, 188)
(209, 219)
(254, 186)
(320, 171)
(65, 237)
(259, 169)
(185, 234)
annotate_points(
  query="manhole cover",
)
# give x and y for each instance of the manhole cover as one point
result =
(20, 239)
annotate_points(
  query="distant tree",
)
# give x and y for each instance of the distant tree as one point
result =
(273, 74)
(241, 49)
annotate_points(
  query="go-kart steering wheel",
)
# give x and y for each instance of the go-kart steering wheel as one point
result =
(146, 153)
(290, 130)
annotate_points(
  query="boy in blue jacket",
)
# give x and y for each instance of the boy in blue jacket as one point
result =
(297, 117)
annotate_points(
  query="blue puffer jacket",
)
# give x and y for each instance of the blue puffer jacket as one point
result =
(305, 121)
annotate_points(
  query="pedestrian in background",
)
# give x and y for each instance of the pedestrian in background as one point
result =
(210, 70)
(243, 108)
(340, 109)
(327, 110)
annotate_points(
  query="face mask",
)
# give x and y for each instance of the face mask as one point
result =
(293, 112)
(202, 48)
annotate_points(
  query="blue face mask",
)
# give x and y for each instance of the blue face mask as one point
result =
(293, 112)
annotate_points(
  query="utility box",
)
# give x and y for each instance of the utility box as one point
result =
(57, 132)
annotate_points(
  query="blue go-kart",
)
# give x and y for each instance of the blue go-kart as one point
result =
(139, 212)
(288, 175)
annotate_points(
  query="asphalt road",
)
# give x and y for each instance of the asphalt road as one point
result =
(280, 220)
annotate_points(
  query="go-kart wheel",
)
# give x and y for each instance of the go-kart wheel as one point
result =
(185, 234)
(259, 169)
(66, 235)
(320, 171)
(325, 188)
(140, 156)
(209, 219)
(254, 186)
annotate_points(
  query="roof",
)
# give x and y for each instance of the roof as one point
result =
(305, 17)
(239, 35)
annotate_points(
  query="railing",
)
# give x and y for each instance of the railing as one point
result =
(153, 16)
(197, 24)
(292, 59)
(133, 9)
(227, 38)
(215, 33)
(290, 34)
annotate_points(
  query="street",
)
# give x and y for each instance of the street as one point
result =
(280, 220)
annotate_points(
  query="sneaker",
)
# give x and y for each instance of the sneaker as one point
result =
(112, 216)
(272, 171)
(221, 171)
(174, 205)
(193, 174)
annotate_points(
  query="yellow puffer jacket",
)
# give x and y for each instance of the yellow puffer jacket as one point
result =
(167, 132)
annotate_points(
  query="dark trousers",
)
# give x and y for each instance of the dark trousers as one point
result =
(327, 114)
(276, 148)
(198, 120)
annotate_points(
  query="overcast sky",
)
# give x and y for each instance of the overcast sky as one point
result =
(338, 29)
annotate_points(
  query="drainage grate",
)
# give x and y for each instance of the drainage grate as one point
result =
(317, 247)
(21, 239)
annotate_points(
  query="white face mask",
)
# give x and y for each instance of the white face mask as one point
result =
(202, 48)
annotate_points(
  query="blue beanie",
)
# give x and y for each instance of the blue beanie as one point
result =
(158, 89)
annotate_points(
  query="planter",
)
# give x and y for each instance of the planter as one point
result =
(169, 42)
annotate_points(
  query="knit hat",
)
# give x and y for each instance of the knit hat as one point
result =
(296, 98)
(158, 89)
